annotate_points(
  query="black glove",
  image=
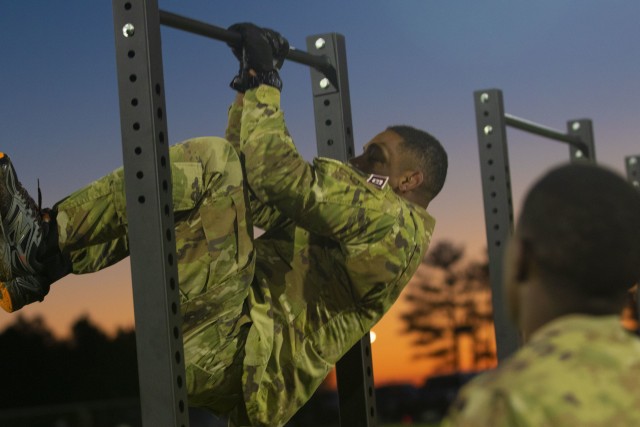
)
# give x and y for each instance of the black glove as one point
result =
(261, 50)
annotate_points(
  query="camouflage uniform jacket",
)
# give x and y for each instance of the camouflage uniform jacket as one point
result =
(576, 371)
(336, 253)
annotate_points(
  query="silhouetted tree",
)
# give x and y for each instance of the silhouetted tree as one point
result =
(451, 300)
(39, 369)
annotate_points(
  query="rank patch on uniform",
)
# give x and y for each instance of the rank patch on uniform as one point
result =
(378, 180)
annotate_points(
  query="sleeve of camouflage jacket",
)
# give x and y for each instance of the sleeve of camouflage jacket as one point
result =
(324, 197)
(263, 215)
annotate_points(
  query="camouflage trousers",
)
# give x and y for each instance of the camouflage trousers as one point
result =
(214, 239)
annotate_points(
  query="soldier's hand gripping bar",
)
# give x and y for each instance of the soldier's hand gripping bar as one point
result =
(319, 62)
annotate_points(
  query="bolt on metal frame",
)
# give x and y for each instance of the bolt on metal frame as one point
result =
(148, 184)
(491, 127)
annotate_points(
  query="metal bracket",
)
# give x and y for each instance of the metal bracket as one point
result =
(632, 164)
(331, 104)
(583, 129)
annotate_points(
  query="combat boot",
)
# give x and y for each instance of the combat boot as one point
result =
(22, 228)
(21, 291)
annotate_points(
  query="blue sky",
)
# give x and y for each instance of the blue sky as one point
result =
(413, 62)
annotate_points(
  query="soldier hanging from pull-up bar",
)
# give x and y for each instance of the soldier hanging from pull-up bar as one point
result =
(265, 319)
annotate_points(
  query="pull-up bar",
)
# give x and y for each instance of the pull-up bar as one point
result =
(547, 132)
(319, 62)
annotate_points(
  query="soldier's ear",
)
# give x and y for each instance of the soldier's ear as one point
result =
(411, 180)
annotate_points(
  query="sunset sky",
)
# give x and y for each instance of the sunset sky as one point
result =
(414, 62)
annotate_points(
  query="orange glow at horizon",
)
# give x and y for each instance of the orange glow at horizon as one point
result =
(106, 298)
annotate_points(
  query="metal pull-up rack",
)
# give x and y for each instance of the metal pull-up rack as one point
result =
(491, 125)
(145, 144)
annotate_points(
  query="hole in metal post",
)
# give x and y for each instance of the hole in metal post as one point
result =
(127, 6)
(168, 234)
(161, 137)
(139, 175)
(489, 146)
(138, 150)
(134, 102)
(490, 162)
(181, 406)
(141, 199)
(131, 53)
(327, 102)
(165, 185)
(179, 381)
(172, 283)
(493, 194)
(498, 243)
(133, 78)
(174, 308)
(159, 113)
(178, 358)
(136, 126)
(163, 161)
(170, 259)
(158, 89)
(166, 210)
(330, 142)
(327, 122)
(176, 332)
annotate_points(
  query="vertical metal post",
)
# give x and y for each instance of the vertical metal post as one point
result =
(582, 128)
(498, 209)
(334, 134)
(150, 213)
(632, 164)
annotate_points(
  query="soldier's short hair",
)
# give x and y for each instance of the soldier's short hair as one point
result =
(430, 155)
(581, 223)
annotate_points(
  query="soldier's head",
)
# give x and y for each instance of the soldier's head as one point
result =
(576, 248)
(415, 162)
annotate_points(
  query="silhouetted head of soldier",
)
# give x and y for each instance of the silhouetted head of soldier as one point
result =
(576, 247)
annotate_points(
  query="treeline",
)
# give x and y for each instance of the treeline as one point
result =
(39, 369)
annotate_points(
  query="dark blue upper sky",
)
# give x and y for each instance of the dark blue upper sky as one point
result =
(411, 61)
